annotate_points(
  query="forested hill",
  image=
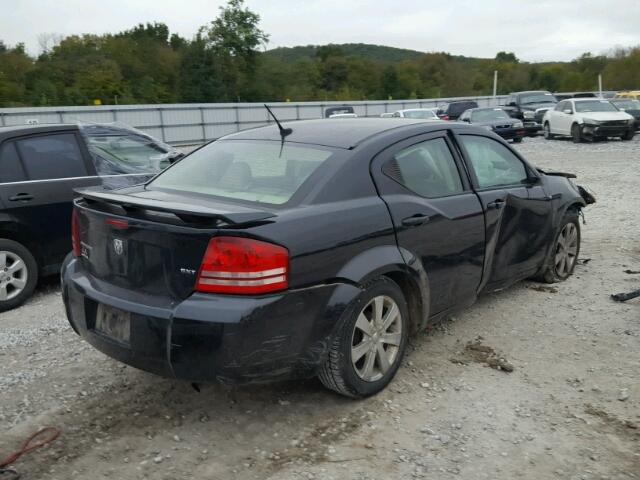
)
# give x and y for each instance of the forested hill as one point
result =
(376, 53)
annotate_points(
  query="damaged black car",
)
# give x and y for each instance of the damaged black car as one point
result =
(312, 248)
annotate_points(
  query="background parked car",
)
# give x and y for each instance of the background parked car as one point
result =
(420, 113)
(634, 94)
(386, 115)
(452, 110)
(630, 106)
(530, 107)
(588, 118)
(339, 110)
(40, 166)
(496, 120)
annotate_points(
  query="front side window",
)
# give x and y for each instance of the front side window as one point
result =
(256, 171)
(493, 163)
(427, 169)
(52, 156)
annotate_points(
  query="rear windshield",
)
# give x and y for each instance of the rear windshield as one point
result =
(420, 114)
(492, 114)
(256, 171)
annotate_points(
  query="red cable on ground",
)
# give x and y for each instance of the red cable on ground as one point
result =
(49, 434)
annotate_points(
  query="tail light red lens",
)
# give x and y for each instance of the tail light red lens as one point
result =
(75, 234)
(239, 265)
(445, 117)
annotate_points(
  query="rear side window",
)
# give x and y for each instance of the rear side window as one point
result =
(257, 171)
(493, 163)
(10, 166)
(427, 168)
(52, 156)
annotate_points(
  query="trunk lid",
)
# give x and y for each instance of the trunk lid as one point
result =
(152, 243)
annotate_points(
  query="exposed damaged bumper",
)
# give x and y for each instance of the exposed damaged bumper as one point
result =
(206, 337)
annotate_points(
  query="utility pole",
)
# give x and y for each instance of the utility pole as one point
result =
(495, 83)
(600, 84)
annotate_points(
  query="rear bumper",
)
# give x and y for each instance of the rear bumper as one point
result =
(207, 337)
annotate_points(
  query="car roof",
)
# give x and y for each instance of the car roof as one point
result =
(531, 91)
(485, 108)
(431, 109)
(588, 99)
(10, 130)
(347, 133)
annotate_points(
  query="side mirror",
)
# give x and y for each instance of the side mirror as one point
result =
(530, 181)
(568, 111)
(468, 120)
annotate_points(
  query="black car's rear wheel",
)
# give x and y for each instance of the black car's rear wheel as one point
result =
(517, 140)
(576, 133)
(370, 343)
(18, 274)
(564, 253)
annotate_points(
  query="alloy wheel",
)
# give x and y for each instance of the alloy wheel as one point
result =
(376, 338)
(566, 250)
(13, 275)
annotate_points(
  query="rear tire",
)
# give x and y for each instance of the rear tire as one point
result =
(563, 256)
(576, 133)
(18, 274)
(371, 340)
(517, 140)
(629, 135)
(546, 130)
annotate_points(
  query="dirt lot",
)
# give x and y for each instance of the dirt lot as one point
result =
(569, 410)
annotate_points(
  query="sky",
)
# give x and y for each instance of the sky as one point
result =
(535, 30)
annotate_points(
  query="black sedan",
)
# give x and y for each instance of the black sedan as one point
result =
(495, 120)
(312, 250)
(630, 106)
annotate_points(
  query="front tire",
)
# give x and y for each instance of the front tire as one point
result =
(628, 135)
(564, 253)
(18, 274)
(576, 133)
(517, 140)
(370, 343)
(547, 131)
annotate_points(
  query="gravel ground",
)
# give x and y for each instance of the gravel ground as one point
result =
(569, 410)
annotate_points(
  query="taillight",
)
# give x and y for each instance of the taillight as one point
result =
(445, 117)
(243, 266)
(75, 234)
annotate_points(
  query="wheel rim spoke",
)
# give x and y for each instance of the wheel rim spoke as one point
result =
(4, 295)
(378, 307)
(364, 325)
(370, 359)
(358, 351)
(391, 339)
(16, 266)
(3, 260)
(390, 317)
(383, 360)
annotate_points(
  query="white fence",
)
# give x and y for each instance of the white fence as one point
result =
(185, 124)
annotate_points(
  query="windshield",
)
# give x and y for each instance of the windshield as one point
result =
(257, 171)
(420, 114)
(537, 98)
(489, 114)
(627, 104)
(595, 106)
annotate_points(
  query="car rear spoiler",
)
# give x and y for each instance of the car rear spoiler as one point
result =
(230, 214)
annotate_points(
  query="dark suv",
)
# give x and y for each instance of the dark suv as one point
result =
(40, 166)
(530, 107)
(453, 110)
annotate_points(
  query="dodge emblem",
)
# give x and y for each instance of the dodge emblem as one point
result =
(118, 246)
